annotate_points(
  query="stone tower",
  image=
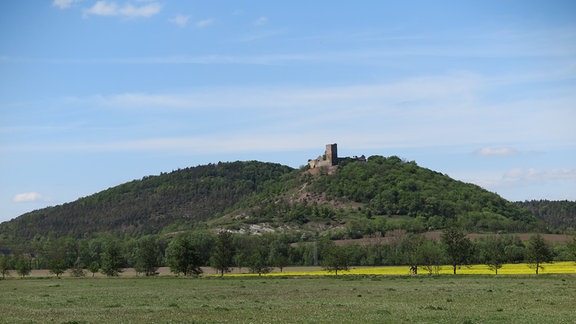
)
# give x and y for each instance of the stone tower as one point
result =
(332, 153)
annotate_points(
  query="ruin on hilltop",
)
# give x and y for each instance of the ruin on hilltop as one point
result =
(330, 160)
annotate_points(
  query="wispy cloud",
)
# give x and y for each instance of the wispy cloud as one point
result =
(63, 4)
(536, 175)
(412, 112)
(261, 21)
(398, 95)
(496, 151)
(29, 197)
(204, 23)
(180, 20)
(111, 8)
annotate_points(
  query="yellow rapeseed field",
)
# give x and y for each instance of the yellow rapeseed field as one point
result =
(479, 269)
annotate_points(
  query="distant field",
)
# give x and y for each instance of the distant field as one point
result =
(508, 269)
(478, 269)
(304, 299)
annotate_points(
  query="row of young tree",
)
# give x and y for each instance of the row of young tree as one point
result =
(188, 253)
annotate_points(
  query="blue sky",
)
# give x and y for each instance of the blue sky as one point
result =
(97, 93)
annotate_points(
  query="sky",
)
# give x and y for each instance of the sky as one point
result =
(97, 93)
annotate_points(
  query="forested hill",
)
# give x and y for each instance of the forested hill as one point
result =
(152, 203)
(558, 215)
(410, 197)
(360, 198)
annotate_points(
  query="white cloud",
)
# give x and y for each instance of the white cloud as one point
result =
(63, 4)
(496, 151)
(29, 197)
(180, 20)
(397, 97)
(111, 8)
(535, 175)
(261, 21)
(204, 23)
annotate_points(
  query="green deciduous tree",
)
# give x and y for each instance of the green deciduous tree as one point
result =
(571, 246)
(23, 267)
(148, 255)
(336, 258)
(416, 250)
(112, 259)
(538, 252)
(431, 255)
(409, 248)
(183, 256)
(493, 252)
(222, 258)
(259, 261)
(94, 267)
(57, 267)
(5, 265)
(279, 254)
(457, 246)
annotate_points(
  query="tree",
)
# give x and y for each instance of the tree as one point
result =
(431, 255)
(410, 249)
(538, 252)
(112, 260)
(148, 255)
(222, 258)
(4, 265)
(457, 246)
(259, 262)
(57, 266)
(61, 253)
(279, 254)
(572, 248)
(77, 269)
(336, 259)
(203, 241)
(493, 252)
(416, 250)
(183, 256)
(94, 267)
(23, 267)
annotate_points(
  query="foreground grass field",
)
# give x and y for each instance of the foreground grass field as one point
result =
(308, 299)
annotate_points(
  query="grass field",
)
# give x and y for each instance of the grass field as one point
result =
(291, 299)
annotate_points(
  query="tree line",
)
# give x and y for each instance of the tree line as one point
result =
(187, 253)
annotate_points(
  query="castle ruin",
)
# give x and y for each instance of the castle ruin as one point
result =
(330, 158)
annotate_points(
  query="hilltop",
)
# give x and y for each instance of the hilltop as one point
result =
(341, 197)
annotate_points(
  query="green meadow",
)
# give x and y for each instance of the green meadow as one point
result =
(307, 299)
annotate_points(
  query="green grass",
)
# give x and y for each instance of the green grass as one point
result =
(343, 299)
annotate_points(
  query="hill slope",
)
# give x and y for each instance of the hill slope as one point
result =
(152, 203)
(363, 192)
(363, 197)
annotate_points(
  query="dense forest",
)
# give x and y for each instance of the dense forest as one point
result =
(559, 216)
